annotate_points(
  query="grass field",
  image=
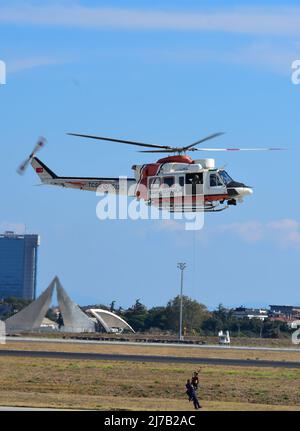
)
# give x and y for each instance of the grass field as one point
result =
(83, 384)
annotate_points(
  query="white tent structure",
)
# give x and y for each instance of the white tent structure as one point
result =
(111, 322)
(75, 320)
(31, 317)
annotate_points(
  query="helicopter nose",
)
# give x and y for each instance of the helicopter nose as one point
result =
(244, 191)
(236, 189)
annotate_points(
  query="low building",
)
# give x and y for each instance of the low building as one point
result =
(48, 325)
(288, 311)
(250, 313)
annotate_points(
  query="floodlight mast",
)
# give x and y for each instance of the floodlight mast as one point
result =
(181, 266)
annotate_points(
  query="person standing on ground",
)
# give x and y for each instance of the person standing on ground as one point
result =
(190, 391)
(195, 379)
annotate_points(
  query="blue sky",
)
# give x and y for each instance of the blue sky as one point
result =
(162, 72)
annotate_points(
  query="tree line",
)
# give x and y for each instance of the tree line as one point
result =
(197, 319)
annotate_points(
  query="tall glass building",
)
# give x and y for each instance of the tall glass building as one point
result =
(18, 264)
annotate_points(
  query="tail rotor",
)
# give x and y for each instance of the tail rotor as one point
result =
(39, 145)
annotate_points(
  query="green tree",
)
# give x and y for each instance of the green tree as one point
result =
(136, 315)
(222, 313)
(156, 318)
(212, 325)
(193, 314)
(51, 315)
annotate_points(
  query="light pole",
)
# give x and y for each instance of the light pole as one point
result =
(182, 267)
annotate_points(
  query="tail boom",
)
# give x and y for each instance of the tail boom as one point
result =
(109, 185)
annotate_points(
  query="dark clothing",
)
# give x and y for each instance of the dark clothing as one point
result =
(195, 382)
(190, 391)
(195, 401)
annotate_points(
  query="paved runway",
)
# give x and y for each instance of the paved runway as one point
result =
(148, 358)
(149, 344)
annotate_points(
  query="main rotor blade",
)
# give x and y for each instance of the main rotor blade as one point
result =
(214, 135)
(212, 149)
(170, 150)
(237, 149)
(122, 141)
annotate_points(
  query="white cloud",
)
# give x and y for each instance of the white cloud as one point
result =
(257, 21)
(276, 56)
(170, 225)
(283, 232)
(254, 21)
(251, 231)
(259, 56)
(283, 224)
(292, 238)
(288, 231)
(19, 65)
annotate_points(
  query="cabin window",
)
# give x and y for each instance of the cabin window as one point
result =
(215, 180)
(181, 181)
(169, 181)
(196, 178)
(154, 182)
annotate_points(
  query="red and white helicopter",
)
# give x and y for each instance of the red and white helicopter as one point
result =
(176, 183)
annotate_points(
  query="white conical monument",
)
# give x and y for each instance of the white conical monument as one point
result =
(75, 320)
(30, 318)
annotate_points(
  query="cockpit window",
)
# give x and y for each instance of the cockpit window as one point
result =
(215, 181)
(225, 177)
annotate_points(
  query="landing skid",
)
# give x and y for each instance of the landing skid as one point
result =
(190, 208)
(215, 210)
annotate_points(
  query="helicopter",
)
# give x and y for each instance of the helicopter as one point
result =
(175, 183)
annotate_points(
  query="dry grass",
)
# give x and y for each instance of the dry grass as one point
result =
(82, 402)
(43, 382)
